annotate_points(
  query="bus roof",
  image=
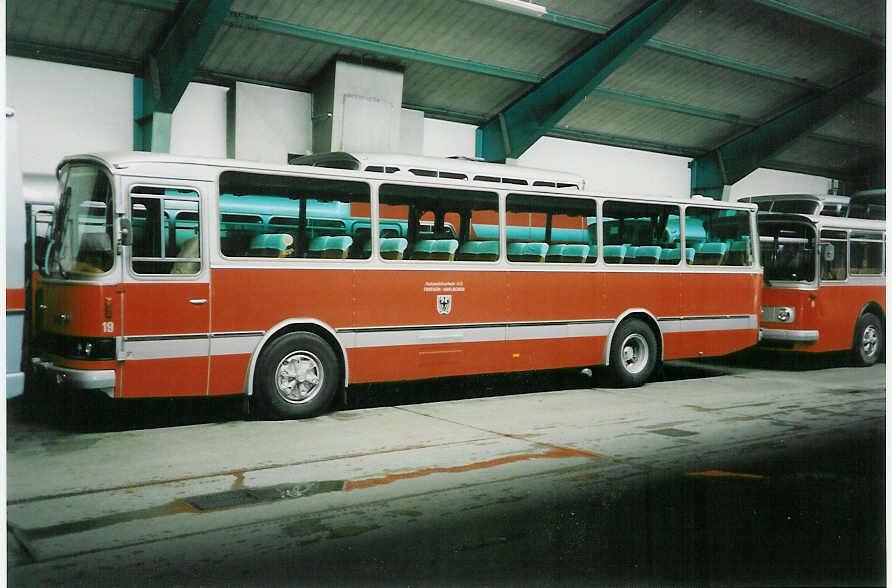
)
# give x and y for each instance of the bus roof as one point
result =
(448, 167)
(823, 222)
(174, 168)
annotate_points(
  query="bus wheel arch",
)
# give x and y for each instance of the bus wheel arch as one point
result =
(322, 332)
(634, 347)
(869, 336)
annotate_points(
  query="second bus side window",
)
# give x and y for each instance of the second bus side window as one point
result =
(718, 237)
(642, 233)
(550, 229)
(866, 253)
(426, 223)
(270, 216)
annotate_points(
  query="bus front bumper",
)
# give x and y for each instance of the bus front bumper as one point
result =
(102, 380)
(788, 335)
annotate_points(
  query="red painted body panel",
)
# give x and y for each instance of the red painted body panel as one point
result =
(179, 376)
(15, 299)
(83, 304)
(164, 308)
(832, 310)
(253, 300)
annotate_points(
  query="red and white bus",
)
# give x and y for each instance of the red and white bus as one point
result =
(825, 284)
(169, 276)
(14, 247)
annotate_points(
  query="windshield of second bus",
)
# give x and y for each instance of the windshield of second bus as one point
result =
(82, 239)
(788, 252)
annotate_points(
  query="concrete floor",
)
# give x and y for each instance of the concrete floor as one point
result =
(722, 473)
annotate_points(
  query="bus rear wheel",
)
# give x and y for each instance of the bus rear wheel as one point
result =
(296, 377)
(633, 353)
(868, 342)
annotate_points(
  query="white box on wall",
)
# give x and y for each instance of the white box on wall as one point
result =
(266, 124)
(199, 122)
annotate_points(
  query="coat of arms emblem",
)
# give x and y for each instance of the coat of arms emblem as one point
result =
(444, 303)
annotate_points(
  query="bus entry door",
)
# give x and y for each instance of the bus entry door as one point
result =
(166, 296)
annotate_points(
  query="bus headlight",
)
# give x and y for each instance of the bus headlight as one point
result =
(778, 314)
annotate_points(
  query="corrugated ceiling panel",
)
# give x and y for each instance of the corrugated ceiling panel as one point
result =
(246, 53)
(677, 79)
(100, 26)
(867, 15)
(812, 152)
(604, 12)
(460, 91)
(448, 27)
(766, 37)
(600, 115)
(858, 121)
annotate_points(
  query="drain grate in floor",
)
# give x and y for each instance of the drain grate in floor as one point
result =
(249, 496)
(674, 432)
(222, 500)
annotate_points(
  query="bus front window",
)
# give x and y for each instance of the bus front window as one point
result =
(83, 234)
(788, 252)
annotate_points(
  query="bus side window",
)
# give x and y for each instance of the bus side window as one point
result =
(719, 236)
(866, 253)
(833, 255)
(166, 231)
(282, 216)
(551, 229)
(437, 224)
(641, 233)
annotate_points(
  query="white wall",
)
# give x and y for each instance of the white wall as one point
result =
(270, 123)
(769, 181)
(198, 126)
(62, 110)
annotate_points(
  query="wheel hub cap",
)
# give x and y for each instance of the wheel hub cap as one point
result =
(634, 353)
(870, 341)
(299, 377)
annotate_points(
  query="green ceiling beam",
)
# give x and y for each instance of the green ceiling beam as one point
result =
(713, 172)
(170, 68)
(514, 130)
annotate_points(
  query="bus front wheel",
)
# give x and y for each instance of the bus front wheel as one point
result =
(633, 353)
(868, 340)
(296, 377)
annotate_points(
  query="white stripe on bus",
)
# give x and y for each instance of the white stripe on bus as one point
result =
(244, 343)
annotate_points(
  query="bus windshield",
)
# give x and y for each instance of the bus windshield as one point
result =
(82, 239)
(788, 251)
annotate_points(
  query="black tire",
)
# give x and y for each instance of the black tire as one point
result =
(296, 377)
(634, 353)
(869, 340)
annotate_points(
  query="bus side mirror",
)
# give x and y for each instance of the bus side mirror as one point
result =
(828, 251)
(126, 232)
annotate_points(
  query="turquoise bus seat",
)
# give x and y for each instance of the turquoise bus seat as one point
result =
(711, 254)
(478, 251)
(614, 253)
(648, 254)
(574, 253)
(515, 251)
(271, 245)
(393, 248)
(330, 247)
(555, 253)
(444, 249)
(670, 256)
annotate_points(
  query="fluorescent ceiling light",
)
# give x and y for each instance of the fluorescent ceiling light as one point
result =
(518, 6)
